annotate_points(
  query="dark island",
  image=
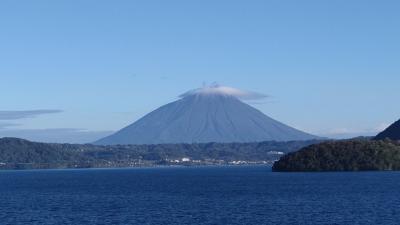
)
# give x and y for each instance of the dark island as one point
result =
(350, 155)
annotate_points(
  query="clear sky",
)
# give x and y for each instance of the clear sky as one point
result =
(73, 71)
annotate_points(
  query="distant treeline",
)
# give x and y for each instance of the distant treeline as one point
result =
(21, 154)
(350, 155)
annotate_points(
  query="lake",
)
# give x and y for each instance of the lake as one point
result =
(198, 195)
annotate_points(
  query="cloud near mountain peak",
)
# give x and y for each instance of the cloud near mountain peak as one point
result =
(216, 89)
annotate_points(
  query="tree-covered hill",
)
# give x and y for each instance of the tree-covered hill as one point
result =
(20, 154)
(21, 151)
(351, 155)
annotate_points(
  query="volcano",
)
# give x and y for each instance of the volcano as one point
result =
(209, 114)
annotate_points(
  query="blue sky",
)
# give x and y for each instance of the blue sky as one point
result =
(331, 67)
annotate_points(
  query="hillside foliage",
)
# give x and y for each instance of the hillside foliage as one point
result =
(350, 155)
(20, 154)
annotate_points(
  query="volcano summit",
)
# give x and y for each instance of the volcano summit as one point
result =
(209, 114)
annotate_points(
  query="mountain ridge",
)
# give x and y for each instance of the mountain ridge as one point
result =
(392, 132)
(18, 153)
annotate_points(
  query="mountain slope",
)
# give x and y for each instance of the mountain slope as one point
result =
(392, 132)
(205, 117)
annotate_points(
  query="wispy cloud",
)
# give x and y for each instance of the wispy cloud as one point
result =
(216, 89)
(57, 135)
(15, 115)
(52, 135)
(340, 133)
(7, 125)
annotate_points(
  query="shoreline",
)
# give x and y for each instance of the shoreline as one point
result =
(142, 167)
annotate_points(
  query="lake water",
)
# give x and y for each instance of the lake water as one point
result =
(204, 195)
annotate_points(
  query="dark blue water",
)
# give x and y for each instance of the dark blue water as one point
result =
(208, 195)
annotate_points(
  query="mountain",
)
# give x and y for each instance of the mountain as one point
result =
(392, 132)
(210, 114)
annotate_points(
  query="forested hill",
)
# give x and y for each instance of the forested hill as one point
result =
(22, 154)
(351, 155)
